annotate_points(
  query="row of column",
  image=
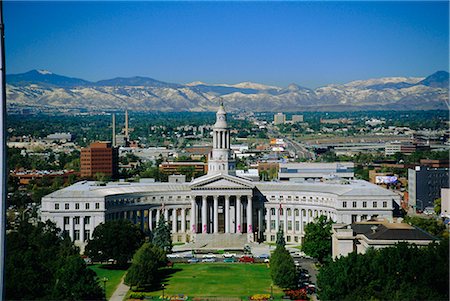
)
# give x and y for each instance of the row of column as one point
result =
(222, 139)
(301, 219)
(71, 227)
(227, 216)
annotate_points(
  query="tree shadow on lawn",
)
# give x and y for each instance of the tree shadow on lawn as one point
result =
(165, 275)
(115, 267)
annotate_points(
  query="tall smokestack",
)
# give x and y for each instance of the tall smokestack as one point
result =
(113, 129)
(126, 123)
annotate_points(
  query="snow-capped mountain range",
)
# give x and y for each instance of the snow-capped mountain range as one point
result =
(41, 88)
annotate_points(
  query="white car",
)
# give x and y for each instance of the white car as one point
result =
(173, 256)
(229, 255)
(209, 255)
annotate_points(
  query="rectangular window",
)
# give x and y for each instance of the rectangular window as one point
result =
(66, 220)
(289, 225)
(272, 225)
(288, 238)
(344, 204)
(296, 238)
(76, 220)
(375, 204)
(354, 204)
(66, 206)
(87, 220)
(87, 235)
(97, 205)
(282, 224)
(297, 226)
(76, 235)
(86, 206)
(56, 206)
(77, 206)
(272, 237)
(384, 204)
(364, 204)
(354, 218)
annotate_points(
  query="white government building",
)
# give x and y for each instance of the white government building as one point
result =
(218, 206)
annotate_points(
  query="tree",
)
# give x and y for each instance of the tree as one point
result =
(144, 270)
(317, 241)
(437, 206)
(402, 272)
(162, 236)
(43, 263)
(282, 267)
(116, 240)
(74, 281)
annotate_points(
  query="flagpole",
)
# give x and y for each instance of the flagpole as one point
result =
(3, 166)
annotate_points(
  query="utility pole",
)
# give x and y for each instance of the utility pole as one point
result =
(3, 167)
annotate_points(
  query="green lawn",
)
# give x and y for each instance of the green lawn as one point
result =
(114, 276)
(217, 280)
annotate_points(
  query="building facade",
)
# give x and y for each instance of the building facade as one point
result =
(219, 204)
(424, 185)
(99, 157)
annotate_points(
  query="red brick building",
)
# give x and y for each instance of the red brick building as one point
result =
(99, 157)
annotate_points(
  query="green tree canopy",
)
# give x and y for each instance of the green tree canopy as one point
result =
(282, 268)
(429, 224)
(162, 236)
(280, 238)
(144, 270)
(402, 272)
(317, 241)
(116, 240)
(42, 263)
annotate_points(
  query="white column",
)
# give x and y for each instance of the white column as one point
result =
(193, 216)
(238, 214)
(174, 220)
(293, 219)
(166, 215)
(71, 228)
(227, 214)
(158, 216)
(268, 216)
(183, 220)
(277, 219)
(285, 220)
(216, 214)
(249, 214)
(82, 228)
(150, 219)
(204, 212)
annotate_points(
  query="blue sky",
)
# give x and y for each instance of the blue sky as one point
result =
(308, 43)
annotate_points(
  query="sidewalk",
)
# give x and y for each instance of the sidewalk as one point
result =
(120, 291)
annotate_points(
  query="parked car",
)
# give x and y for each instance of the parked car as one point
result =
(209, 260)
(187, 255)
(267, 260)
(209, 255)
(230, 259)
(247, 259)
(229, 255)
(264, 256)
(173, 256)
(193, 260)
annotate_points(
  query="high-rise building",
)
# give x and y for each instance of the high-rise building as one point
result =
(279, 118)
(425, 184)
(99, 157)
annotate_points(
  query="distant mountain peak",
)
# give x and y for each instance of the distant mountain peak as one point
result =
(439, 79)
(44, 72)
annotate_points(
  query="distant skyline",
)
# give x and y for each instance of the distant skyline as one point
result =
(276, 43)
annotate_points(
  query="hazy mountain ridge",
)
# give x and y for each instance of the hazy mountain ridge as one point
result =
(43, 88)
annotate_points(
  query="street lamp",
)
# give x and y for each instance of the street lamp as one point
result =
(163, 286)
(104, 284)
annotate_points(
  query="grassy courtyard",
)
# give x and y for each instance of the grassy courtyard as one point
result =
(113, 275)
(217, 280)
